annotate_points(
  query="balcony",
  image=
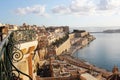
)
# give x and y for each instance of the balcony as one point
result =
(16, 55)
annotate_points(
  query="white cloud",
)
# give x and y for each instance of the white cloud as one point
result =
(102, 5)
(61, 9)
(81, 7)
(108, 7)
(36, 9)
(89, 7)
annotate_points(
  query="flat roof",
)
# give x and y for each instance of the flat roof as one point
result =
(88, 76)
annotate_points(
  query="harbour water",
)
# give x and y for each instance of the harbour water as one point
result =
(103, 52)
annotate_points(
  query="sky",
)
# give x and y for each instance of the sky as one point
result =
(73, 13)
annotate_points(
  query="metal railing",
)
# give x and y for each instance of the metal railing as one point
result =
(10, 53)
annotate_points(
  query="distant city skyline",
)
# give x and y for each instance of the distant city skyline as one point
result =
(73, 13)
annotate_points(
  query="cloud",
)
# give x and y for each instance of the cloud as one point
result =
(89, 7)
(108, 7)
(103, 5)
(60, 9)
(81, 7)
(36, 9)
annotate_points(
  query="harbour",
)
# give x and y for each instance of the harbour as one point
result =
(102, 52)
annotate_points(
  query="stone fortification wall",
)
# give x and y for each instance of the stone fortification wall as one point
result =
(72, 35)
(64, 47)
(83, 34)
(85, 41)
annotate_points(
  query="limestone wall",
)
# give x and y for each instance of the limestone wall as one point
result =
(85, 41)
(23, 67)
(26, 64)
(65, 46)
(84, 34)
(72, 35)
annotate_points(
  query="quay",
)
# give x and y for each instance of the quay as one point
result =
(81, 63)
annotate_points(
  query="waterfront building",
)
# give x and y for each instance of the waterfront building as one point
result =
(58, 29)
(80, 33)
